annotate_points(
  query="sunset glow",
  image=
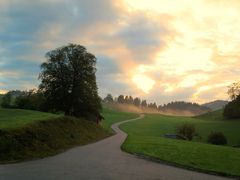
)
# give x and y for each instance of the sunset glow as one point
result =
(144, 83)
(163, 50)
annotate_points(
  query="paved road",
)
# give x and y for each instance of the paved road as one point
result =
(101, 160)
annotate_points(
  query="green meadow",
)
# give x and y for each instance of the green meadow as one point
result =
(146, 137)
(112, 116)
(26, 134)
(17, 118)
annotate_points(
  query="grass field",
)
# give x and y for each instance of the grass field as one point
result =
(26, 134)
(215, 115)
(17, 118)
(112, 116)
(45, 138)
(146, 138)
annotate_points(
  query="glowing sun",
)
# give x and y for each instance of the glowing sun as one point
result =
(143, 82)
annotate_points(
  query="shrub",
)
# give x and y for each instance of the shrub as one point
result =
(6, 101)
(187, 130)
(217, 138)
(232, 109)
(31, 100)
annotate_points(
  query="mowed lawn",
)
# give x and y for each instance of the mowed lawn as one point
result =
(146, 138)
(17, 118)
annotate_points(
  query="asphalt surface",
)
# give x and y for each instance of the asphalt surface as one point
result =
(101, 160)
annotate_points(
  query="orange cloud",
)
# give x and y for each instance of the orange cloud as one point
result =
(163, 50)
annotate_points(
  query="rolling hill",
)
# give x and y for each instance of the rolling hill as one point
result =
(26, 134)
(215, 105)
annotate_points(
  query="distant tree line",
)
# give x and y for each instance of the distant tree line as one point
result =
(174, 106)
(32, 100)
(184, 106)
(129, 100)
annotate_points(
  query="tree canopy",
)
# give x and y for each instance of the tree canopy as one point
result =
(232, 109)
(68, 82)
(108, 98)
(234, 90)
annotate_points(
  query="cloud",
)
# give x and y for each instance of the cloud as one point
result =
(187, 54)
(143, 36)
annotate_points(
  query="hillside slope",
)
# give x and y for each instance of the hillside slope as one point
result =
(44, 138)
(17, 118)
(26, 134)
(215, 105)
(212, 116)
(146, 137)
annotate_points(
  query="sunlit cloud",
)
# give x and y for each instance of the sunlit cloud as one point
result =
(160, 50)
(143, 82)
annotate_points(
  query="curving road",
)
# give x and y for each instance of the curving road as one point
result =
(101, 160)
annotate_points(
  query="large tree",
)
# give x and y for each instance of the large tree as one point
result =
(137, 101)
(69, 82)
(234, 90)
(108, 98)
(120, 99)
(232, 109)
(144, 104)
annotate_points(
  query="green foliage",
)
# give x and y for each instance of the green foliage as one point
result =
(121, 99)
(232, 109)
(186, 130)
(128, 100)
(234, 90)
(108, 98)
(6, 101)
(144, 103)
(217, 138)
(152, 106)
(1, 96)
(69, 82)
(179, 106)
(31, 100)
(137, 102)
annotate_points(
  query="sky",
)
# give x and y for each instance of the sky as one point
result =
(159, 50)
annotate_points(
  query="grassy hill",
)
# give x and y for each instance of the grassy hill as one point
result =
(17, 118)
(112, 116)
(146, 137)
(216, 105)
(215, 115)
(26, 134)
